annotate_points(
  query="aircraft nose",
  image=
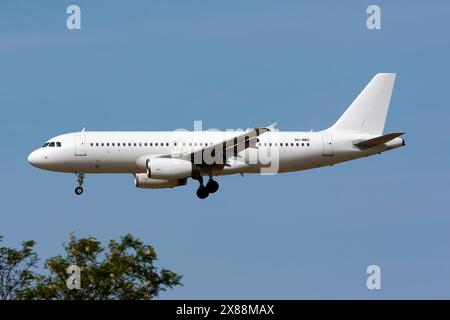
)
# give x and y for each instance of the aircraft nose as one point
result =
(33, 158)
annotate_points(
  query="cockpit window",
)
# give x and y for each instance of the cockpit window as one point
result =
(52, 144)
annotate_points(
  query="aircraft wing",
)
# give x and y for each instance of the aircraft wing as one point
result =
(222, 151)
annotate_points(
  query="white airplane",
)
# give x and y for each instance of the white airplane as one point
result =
(166, 159)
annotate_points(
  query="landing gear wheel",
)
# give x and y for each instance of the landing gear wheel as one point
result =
(212, 186)
(202, 192)
(80, 180)
(78, 190)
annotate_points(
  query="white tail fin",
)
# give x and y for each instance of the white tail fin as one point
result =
(368, 112)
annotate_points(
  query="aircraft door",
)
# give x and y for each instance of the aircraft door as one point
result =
(327, 145)
(80, 145)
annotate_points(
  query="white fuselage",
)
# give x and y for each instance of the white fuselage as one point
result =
(122, 152)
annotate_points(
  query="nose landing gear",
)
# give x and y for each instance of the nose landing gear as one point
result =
(80, 180)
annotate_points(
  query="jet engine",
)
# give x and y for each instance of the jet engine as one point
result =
(142, 181)
(168, 168)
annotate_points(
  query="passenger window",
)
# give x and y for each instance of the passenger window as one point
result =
(167, 144)
(107, 144)
(307, 144)
(92, 144)
(156, 144)
(297, 144)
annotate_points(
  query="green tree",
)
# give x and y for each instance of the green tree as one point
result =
(124, 270)
(16, 270)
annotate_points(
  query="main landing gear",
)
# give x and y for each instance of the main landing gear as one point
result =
(204, 191)
(80, 180)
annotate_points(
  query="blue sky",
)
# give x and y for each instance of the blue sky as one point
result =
(160, 65)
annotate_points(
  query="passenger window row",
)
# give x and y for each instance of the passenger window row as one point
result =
(190, 144)
(143, 144)
(124, 144)
(284, 144)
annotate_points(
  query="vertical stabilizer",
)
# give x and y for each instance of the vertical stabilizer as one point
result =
(369, 110)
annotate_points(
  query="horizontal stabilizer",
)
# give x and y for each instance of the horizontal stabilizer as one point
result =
(378, 140)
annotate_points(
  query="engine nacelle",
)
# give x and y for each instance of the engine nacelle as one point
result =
(142, 181)
(168, 168)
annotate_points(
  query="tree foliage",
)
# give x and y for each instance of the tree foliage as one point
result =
(16, 270)
(124, 270)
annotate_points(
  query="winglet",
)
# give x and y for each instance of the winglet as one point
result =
(272, 127)
(262, 130)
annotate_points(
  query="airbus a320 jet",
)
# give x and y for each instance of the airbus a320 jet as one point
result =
(167, 159)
